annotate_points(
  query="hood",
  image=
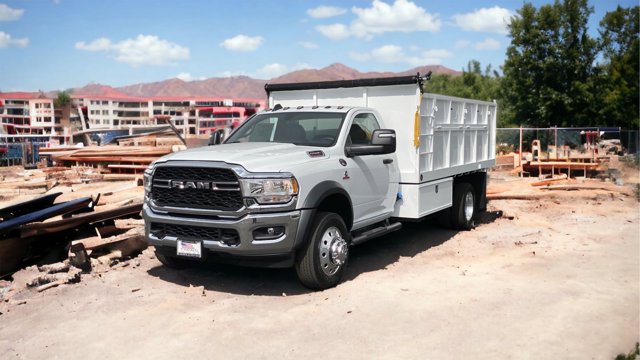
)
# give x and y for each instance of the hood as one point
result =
(254, 157)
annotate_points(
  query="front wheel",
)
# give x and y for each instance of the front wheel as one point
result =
(323, 262)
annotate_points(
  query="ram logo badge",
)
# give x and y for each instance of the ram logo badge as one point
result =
(204, 185)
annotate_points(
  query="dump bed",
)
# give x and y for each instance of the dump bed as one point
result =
(437, 136)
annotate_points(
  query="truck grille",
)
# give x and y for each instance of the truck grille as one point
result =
(221, 188)
(184, 232)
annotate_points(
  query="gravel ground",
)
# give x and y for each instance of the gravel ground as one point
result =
(552, 278)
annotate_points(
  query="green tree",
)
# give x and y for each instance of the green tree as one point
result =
(63, 99)
(549, 65)
(618, 75)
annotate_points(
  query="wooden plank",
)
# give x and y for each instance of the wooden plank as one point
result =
(127, 166)
(120, 177)
(96, 242)
(578, 187)
(106, 158)
(562, 177)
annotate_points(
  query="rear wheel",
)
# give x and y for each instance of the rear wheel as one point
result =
(323, 262)
(461, 214)
(464, 207)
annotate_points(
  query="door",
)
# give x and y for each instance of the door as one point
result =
(370, 177)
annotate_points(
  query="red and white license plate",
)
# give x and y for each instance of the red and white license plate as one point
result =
(189, 248)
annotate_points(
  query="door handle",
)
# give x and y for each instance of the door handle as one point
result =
(387, 161)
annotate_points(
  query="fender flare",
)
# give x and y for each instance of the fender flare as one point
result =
(314, 198)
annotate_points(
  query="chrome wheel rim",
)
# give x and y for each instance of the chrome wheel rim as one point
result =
(468, 206)
(334, 251)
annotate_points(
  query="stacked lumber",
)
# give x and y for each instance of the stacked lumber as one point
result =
(129, 159)
(25, 183)
(150, 140)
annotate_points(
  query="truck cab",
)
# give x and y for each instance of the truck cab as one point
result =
(299, 183)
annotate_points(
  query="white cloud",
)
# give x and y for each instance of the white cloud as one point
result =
(300, 66)
(233, 73)
(100, 44)
(142, 50)
(270, 71)
(396, 54)
(6, 40)
(308, 44)
(389, 54)
(9, 14)
(401, 16)
(242, 43)
(461, 44)
(432, 57)
(488, 44)
(321, 12)
(493, 19)
(334, 31)
(185, 76)
(359, 56)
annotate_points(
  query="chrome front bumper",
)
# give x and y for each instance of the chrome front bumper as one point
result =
(245, 226)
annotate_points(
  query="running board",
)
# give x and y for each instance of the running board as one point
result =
(376, 232)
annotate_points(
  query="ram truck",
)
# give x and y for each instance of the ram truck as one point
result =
(329, 165)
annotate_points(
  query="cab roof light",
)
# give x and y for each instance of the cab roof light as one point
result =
(315, 107)
(300, 107)
(327, 107)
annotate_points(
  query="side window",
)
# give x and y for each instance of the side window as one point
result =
(362, 128)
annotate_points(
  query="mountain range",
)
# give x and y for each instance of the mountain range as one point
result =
(244, 86)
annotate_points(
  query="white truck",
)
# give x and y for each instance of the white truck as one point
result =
(329, 165)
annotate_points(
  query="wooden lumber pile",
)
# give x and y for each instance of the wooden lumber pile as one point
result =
(113, 158)
(150, 140)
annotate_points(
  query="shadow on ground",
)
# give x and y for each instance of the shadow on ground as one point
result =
(374, 255)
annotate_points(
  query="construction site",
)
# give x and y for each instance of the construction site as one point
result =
(552, 265)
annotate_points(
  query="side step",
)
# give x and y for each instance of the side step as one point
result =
(376, 232)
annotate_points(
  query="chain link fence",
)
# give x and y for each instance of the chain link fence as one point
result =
(577, 139)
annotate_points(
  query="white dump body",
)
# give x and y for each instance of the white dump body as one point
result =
(451, 136)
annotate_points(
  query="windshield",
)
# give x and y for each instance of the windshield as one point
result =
(299, 128)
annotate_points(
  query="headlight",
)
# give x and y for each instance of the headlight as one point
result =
(146, 179)
(270, 191)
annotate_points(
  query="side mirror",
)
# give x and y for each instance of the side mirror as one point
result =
(216, 137)
(385, 138)
(383, 141)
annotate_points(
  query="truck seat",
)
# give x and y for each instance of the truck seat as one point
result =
(357, 135)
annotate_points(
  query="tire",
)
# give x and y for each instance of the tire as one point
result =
(172, 262)
(323, 262)
(463, 211)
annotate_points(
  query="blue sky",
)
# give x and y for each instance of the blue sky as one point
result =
(58, 44)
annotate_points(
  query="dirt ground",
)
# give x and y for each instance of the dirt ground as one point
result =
(553, 277)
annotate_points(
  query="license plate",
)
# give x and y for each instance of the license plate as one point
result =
(189, 248)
